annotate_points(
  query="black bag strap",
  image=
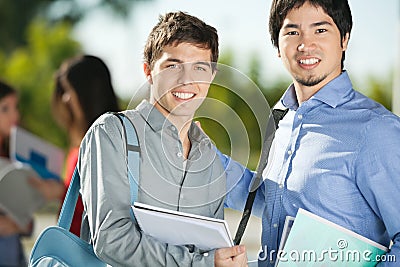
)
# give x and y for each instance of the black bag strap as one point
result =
(273, 121)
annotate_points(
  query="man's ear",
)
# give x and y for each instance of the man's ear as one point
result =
(147, 72)
(345, 41)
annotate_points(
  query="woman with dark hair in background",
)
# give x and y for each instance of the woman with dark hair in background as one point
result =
(83, 91)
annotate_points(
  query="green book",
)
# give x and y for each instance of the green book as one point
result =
(315, 241)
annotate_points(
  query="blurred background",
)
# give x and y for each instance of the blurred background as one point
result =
(36, 36)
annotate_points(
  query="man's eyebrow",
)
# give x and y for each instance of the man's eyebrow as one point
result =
(315, 24)
(321, 23)
(174, 60)
(291, 25)
(205, 63)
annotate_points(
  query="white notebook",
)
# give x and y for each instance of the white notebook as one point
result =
(45, 158)
(18, 199)
(180, 228)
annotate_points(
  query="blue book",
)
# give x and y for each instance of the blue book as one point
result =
(46, 159)
(315, 241)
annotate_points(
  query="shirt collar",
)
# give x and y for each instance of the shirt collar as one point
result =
(152, 116)
(335, 93)
(158, 121)
(196, 134)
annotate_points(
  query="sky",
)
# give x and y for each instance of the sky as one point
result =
(242, 28)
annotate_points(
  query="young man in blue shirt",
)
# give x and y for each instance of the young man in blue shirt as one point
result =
(336, 152)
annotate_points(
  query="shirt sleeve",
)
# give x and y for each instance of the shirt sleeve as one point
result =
(116, 238)
(238, 183)
(377, 175)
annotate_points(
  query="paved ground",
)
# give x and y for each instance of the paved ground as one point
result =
(251, 237)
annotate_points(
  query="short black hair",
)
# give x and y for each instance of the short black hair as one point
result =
(338, 10)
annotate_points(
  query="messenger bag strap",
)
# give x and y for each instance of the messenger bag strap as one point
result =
(68, 207)
(273, 122)
(133, 155)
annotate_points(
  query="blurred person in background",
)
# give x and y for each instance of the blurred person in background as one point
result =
(11, 250)
(83, 91)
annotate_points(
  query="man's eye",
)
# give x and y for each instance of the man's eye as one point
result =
(321, 30)
(172, 66)
(200, 68)
(292, 33)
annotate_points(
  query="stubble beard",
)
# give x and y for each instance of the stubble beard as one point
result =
(310, 80)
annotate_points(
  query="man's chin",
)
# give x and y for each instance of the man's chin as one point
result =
(310, 80)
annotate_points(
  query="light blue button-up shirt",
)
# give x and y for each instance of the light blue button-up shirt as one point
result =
(336, 155)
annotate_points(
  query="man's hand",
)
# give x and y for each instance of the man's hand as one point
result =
(8, 226)
(231, 257)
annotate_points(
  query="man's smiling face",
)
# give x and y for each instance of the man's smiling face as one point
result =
(180, 79)
(311, 47)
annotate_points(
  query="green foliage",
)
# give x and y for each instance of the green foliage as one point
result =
(14, 18)
(380, 90)
(247, 109)
(17, 15)
(30, 69)
(32, 49)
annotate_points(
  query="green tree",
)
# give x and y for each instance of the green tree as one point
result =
(31, 70)
(17, 15)
(271, 90)
(35, 39)
(239, 114)
(380, 89)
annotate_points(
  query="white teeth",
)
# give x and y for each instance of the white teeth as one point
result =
(309, 61)
(182, 95)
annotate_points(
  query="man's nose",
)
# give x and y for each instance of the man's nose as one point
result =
(186, 74)
(307, 43)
